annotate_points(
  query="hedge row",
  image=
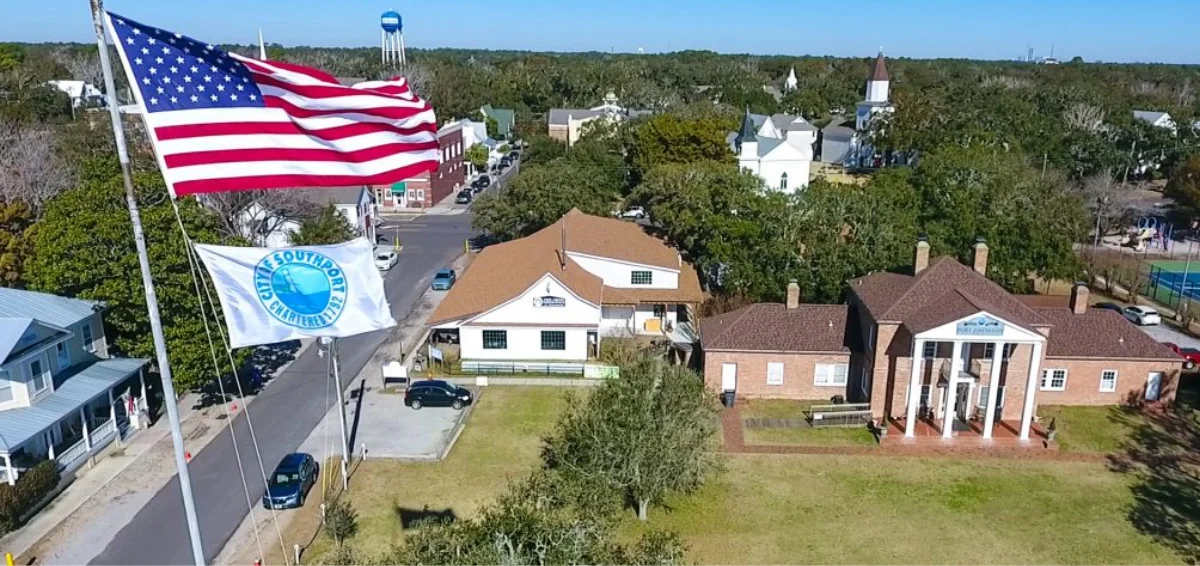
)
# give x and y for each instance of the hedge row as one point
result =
(32, 486)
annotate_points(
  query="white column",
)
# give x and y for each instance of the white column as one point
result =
(1031, 385)
(48, 437)
(11, 474)
(989, 419)
(914, 388)
(952, 389)
(87, 435)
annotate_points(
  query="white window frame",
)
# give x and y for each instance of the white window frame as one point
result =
(825, 375)
(1115, 376)
(89, 340)
(35, 377)
(1048, 379)
(633, 276)
(62, 356)
(989, 350)
(930, 351)
(774, 373)
(783, 181)
(6, 386)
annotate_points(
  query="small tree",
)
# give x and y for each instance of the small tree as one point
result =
(477, 155)
(341, 522)
(646, 434)
(328, 227)
(493, 127)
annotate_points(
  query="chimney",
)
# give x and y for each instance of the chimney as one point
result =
(793, 295)
(1079, 297)
(921, 261)
(981, 256)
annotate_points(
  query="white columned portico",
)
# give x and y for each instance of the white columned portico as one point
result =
(1031, 390)
(914, 388)
(952, 389)
(989, 418)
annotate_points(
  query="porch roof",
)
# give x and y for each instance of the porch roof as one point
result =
(89, 381)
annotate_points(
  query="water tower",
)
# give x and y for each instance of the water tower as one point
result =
(392, 46)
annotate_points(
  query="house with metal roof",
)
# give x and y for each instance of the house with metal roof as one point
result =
(777, 148)
(506, 119)
(1155, 118)
(61, 396)
(939, 351)
(566, 124)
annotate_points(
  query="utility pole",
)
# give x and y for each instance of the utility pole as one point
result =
(1132, 150)
(156, 329)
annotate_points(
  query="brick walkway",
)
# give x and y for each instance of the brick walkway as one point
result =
(731, 420)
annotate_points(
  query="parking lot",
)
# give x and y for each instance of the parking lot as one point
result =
(380, 422)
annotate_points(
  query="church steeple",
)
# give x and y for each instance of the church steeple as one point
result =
(791, 83)
(879, 70)
(747, 132)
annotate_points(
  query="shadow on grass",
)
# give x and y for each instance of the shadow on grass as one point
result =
(1162, 454)
(413, 518)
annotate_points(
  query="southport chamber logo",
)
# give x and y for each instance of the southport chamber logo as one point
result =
(301, 288)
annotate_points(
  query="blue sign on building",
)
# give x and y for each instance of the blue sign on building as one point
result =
(549, 301)
(980, 326)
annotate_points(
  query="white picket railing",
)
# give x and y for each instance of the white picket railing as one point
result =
(104, 432)
(71, 458)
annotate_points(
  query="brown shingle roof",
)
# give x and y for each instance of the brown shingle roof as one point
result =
(1100, 333)
(504, 271)
(944, 291)
(615, 239)
(879, 70)
(772, 327)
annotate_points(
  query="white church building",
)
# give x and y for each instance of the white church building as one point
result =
(777, 148)
(877, 102)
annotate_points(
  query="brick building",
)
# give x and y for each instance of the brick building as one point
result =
(428, 189)
(972, 336)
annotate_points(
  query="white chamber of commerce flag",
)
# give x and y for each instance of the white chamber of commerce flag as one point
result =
(274, 295)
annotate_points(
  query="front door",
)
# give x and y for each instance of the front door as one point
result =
(1154, 386)
(962, 403)
(728, 377)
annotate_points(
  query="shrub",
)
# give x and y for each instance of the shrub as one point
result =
(17, 500)
(341, 522)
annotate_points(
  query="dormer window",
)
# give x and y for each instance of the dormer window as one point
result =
(641, 277)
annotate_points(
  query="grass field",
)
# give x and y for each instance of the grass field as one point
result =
(788, 409)
(1092, 429)
(775, 509)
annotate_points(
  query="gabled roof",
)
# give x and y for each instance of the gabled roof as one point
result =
(945, 291)
(1100, 333)
(52, 309)
(879, 70)
(336, 195)
(791, 123)
(1150, 115)
(561, 116)
(772, 327)
(504, 271)
(17, 336)
(11, 332)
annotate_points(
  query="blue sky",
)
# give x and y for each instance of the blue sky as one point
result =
(1108, 30)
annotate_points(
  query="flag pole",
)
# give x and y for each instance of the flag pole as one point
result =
(341, 401)
(139, 240)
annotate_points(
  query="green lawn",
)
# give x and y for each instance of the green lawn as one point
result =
(500, 445)
(775, 509)
(1092, 429)
(789, 409)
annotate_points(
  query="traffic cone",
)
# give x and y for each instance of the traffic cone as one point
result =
(257, 562)
(187, 456)
(233, 408)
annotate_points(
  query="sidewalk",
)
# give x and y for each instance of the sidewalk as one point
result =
(242, 546)
(78, 525)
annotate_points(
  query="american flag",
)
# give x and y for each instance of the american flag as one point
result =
(223, 122)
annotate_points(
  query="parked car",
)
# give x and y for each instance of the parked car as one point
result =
(436, 393)
(444, 279)
(635, 212)
(290, 482)
(1191, 356)
(1142, 316)
(505, 161)
(514, 155)
(385, 260)
(483, 181)
(1110, 306)
(464, 197)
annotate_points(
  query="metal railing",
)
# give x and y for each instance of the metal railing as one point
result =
(846, 414)
(518, 368)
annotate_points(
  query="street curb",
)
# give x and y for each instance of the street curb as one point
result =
(462, 424)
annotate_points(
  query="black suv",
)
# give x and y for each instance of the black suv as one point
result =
(464, 197)
(436, 393)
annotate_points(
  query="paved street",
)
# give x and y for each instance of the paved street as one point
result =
(284, 414)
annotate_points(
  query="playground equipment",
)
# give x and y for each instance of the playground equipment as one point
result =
(1151, 232)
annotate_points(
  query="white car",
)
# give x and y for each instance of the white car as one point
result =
(1142, 316)
(636, 212)
(386, 260)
